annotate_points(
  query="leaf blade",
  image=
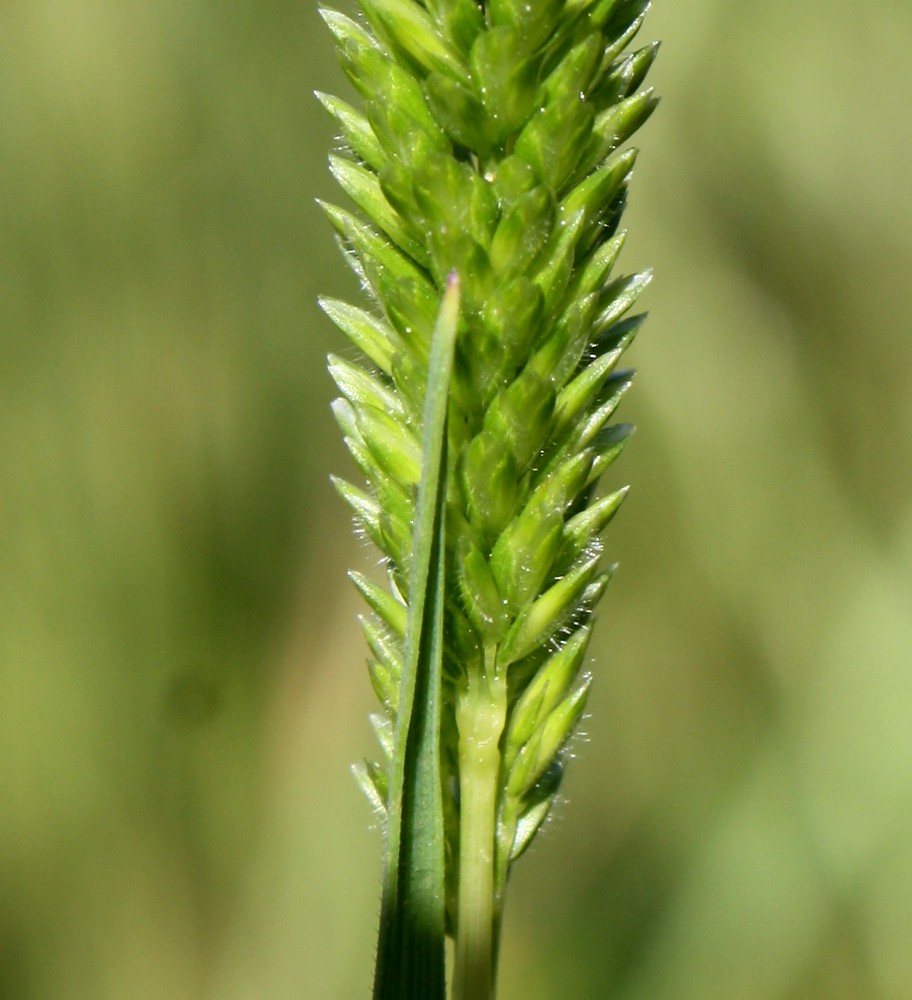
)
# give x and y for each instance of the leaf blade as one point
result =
(410, 949)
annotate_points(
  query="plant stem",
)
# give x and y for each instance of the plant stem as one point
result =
(480, 717)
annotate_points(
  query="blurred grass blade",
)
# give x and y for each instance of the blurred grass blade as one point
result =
(410, 950)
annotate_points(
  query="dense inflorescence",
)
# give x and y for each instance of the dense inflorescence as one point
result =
(489, 144)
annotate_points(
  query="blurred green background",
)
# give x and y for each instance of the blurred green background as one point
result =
(181, 673)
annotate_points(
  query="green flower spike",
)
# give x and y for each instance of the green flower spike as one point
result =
(487, 169)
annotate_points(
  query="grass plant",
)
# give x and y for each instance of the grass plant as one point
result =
(488, 170)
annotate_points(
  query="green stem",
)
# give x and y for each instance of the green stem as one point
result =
(480, 717)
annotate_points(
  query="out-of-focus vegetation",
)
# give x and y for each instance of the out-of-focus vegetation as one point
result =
(181, 675)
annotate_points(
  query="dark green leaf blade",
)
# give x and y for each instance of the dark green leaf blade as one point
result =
(410, 949)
